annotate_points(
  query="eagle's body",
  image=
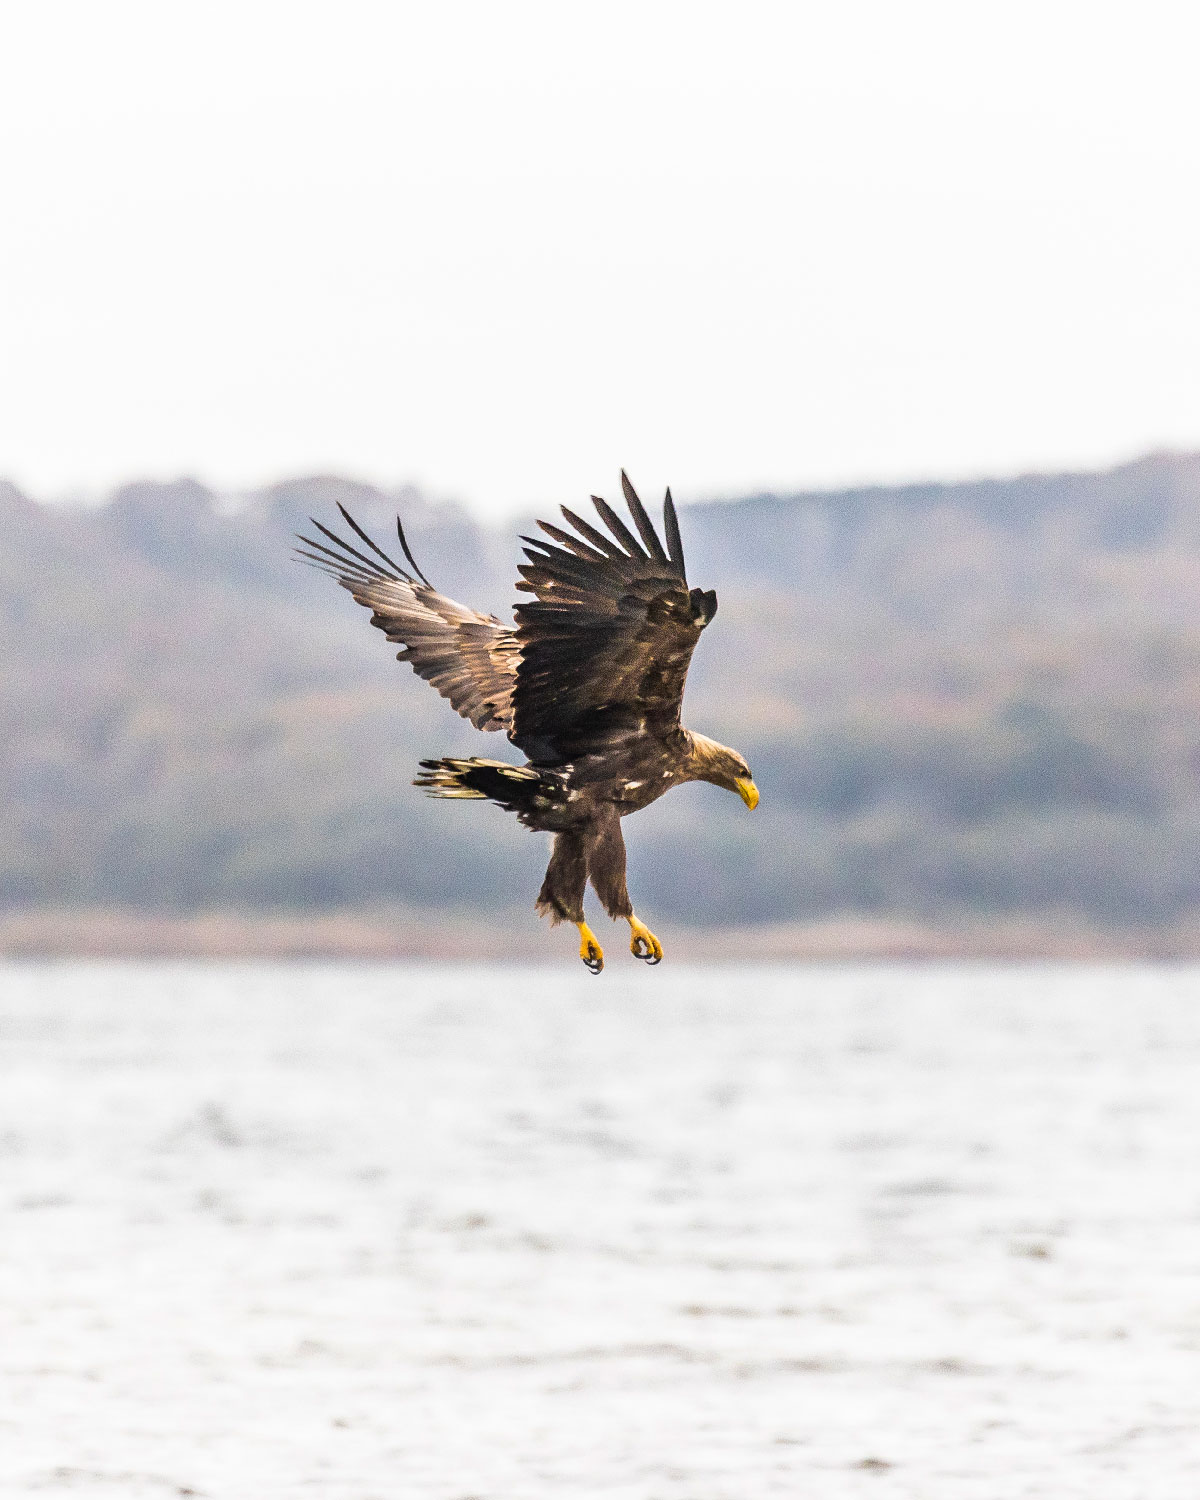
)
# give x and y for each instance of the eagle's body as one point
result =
(588, 686)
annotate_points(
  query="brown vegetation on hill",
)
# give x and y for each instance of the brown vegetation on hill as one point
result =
(964, 705)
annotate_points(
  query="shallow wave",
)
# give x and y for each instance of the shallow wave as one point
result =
(408, 1231)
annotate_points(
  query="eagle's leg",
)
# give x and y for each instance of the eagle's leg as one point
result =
(643, 943)
(606, 867)
(589, 948)
(561, 895)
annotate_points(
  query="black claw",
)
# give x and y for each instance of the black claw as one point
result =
(593, 962)
(641, 948)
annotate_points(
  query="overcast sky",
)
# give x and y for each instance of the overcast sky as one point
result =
(500, 250)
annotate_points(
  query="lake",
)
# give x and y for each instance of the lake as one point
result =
(395, 1232)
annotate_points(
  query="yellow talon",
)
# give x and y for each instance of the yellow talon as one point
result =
(643, 944)
(589, 949)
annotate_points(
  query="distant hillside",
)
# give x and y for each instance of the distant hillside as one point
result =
(963, 703)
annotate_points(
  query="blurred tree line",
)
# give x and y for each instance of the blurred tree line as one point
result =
(978, 698)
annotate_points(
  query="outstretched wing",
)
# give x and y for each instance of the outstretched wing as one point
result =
(606, 644)
(470, 658)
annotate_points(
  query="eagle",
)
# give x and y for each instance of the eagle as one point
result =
(588, 686)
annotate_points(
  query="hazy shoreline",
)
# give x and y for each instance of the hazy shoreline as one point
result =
(97, 932)
(972, 711)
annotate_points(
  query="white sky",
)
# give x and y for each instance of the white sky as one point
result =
(502, 249)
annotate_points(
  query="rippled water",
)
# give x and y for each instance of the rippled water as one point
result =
(371, 1233)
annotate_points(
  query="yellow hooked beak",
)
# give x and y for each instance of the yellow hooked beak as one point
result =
(747, 791)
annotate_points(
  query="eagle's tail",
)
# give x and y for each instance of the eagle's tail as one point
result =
(520, 788)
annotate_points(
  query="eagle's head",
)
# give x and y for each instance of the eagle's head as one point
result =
(709, 761)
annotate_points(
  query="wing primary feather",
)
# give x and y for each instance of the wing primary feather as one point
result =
(311, 561)
(342, 561)
(597, 538)
(346, 547)
(564, 568)
(643, 522)
(568, 564)
(353, 524)
(674, 540)
(619, 528)
(408, 554)
(580, 549)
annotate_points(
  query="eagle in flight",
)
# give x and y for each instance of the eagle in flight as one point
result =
(588, 686)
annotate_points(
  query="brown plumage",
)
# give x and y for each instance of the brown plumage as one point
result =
(588, 686)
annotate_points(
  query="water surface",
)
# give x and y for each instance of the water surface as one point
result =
(372, 1233)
